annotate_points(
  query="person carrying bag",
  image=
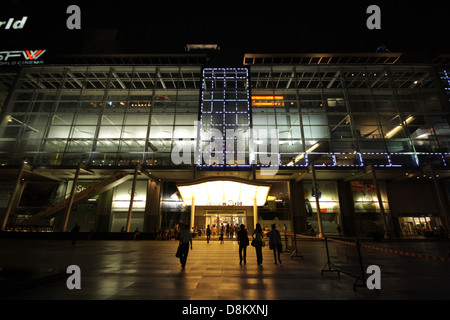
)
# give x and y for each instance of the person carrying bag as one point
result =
(275, 243)
(257, 242)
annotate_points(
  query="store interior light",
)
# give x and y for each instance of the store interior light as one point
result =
(301, 156)
(267, 101)
(267, 98)
(394, 131)
(11, 119)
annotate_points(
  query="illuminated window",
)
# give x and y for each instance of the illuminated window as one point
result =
(267, 101)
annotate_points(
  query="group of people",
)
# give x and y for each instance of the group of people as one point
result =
(258, 242)
(229, 231)
(167, 234)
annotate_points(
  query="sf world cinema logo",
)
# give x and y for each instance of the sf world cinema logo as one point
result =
(21, 57)
(13, 24)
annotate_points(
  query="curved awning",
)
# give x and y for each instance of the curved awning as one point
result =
(223, 192)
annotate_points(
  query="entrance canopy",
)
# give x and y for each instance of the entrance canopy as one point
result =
(222, 192)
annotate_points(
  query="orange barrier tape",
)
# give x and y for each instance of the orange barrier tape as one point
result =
(403, 253)
(344, 242)
(409, 254)
(303, 236)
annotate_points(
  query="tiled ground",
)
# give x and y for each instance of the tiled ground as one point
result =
(148, 270)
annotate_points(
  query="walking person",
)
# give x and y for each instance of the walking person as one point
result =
(339, 229)
(136, 234)
(243, 242)
(75, 231)
(222, 230)
(208, 234)
(185, 239)
(258, 239)
(275, 243)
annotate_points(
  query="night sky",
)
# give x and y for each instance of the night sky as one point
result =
(140, 27)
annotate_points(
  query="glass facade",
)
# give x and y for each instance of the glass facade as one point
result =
(326, 115)
(353, 115)
(185, 122)
(444, 75)
(104, 116)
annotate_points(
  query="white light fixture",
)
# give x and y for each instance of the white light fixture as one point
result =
(391, 133)
(301, 156)
(223, 192)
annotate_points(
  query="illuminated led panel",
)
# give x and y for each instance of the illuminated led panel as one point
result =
(225, 117)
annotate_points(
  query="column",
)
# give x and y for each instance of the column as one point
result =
(255, 213)
(72, 194)
(104, 209)
(133, 191)
(152, 218)
(440, 199)
(192, 214)
(297, 207)
(346, 203)
(316, 195)
(13, 195)
(380, 202)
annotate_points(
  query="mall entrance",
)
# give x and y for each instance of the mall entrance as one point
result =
(230, 219)
(217, 201)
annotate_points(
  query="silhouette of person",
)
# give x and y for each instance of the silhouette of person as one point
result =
(222, 230)
(136, 234)
(243, 244)
(75, 230)
(185, 239)
(208, 234)
(258, 236)
(275, 243)
(339, 229)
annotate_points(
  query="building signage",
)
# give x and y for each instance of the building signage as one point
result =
(14, 24)
(21, 57)
(229, 203)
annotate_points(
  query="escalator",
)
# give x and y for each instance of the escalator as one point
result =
(91, 191)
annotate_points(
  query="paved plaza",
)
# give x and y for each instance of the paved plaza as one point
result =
(149, 270)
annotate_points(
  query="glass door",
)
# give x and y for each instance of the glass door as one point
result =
(229, 219)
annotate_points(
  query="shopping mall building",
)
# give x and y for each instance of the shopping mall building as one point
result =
(310, 141)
